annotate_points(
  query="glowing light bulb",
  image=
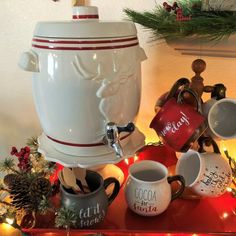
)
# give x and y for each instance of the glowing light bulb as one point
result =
(225, 215)
(10, 221)
(229, 189)
(127, 161)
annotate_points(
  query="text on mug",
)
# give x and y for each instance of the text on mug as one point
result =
(217, 181)
(145, 194)
(91, 215)
(175, 126)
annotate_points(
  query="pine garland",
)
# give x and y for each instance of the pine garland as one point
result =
(66, 218)
(214, 25)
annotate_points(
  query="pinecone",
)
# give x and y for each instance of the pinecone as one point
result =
(19, 190)
(11, 179)
(39, 187)
(27, 192)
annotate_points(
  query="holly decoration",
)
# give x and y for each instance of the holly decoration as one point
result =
(27, 182)
(23, 158)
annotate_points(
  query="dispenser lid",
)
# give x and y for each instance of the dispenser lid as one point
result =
(85, 24)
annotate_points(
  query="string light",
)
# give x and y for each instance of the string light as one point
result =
(229, 189)
(135, 157)
(225, 215)
(9, 221)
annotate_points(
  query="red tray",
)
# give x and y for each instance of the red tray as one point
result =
(209, 216)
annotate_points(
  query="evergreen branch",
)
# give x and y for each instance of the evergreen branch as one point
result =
(66, 218)
(209, 25)
(33, 144)
(44, 205)
(8, 164)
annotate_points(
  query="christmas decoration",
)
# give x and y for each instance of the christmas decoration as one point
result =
(151, 151)
(209, 25)
(66, 218)
(27, 185)
(180, 16)
(177, 10)
(170, 8)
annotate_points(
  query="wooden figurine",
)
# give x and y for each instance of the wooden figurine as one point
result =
(198, 66)
(197, 85)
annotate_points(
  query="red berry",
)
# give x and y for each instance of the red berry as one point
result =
(13, 151)
(27, 149)
(26, 155)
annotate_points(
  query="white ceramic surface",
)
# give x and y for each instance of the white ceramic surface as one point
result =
(145, 197)
(205, 109)
(206, 174)
(136, 142)
(221, 116)
(86, 74)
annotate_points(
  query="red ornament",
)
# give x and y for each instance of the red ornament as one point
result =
(159, 152)
(54, 177)
(180, 16)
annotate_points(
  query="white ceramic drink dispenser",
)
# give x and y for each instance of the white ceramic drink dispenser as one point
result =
(87, 88)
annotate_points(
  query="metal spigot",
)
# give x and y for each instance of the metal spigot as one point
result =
(112, 137)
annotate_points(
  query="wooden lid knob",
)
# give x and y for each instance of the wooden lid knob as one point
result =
(198, 66)
(78, 3)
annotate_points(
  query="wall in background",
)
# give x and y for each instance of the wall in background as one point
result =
(18, 119)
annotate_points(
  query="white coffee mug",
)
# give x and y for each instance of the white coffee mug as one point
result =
(148, 189)
(206, 174)
(221, 116)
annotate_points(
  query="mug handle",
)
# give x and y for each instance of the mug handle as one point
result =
(116, 189)
(180, 98)
(208, 141)
(180, 82)
(219, 92)
(179, 178)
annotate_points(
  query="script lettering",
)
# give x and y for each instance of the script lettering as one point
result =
(174, 126)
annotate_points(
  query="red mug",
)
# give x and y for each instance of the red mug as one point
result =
(179, 125)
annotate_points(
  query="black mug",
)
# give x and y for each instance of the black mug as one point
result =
(90, 208)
